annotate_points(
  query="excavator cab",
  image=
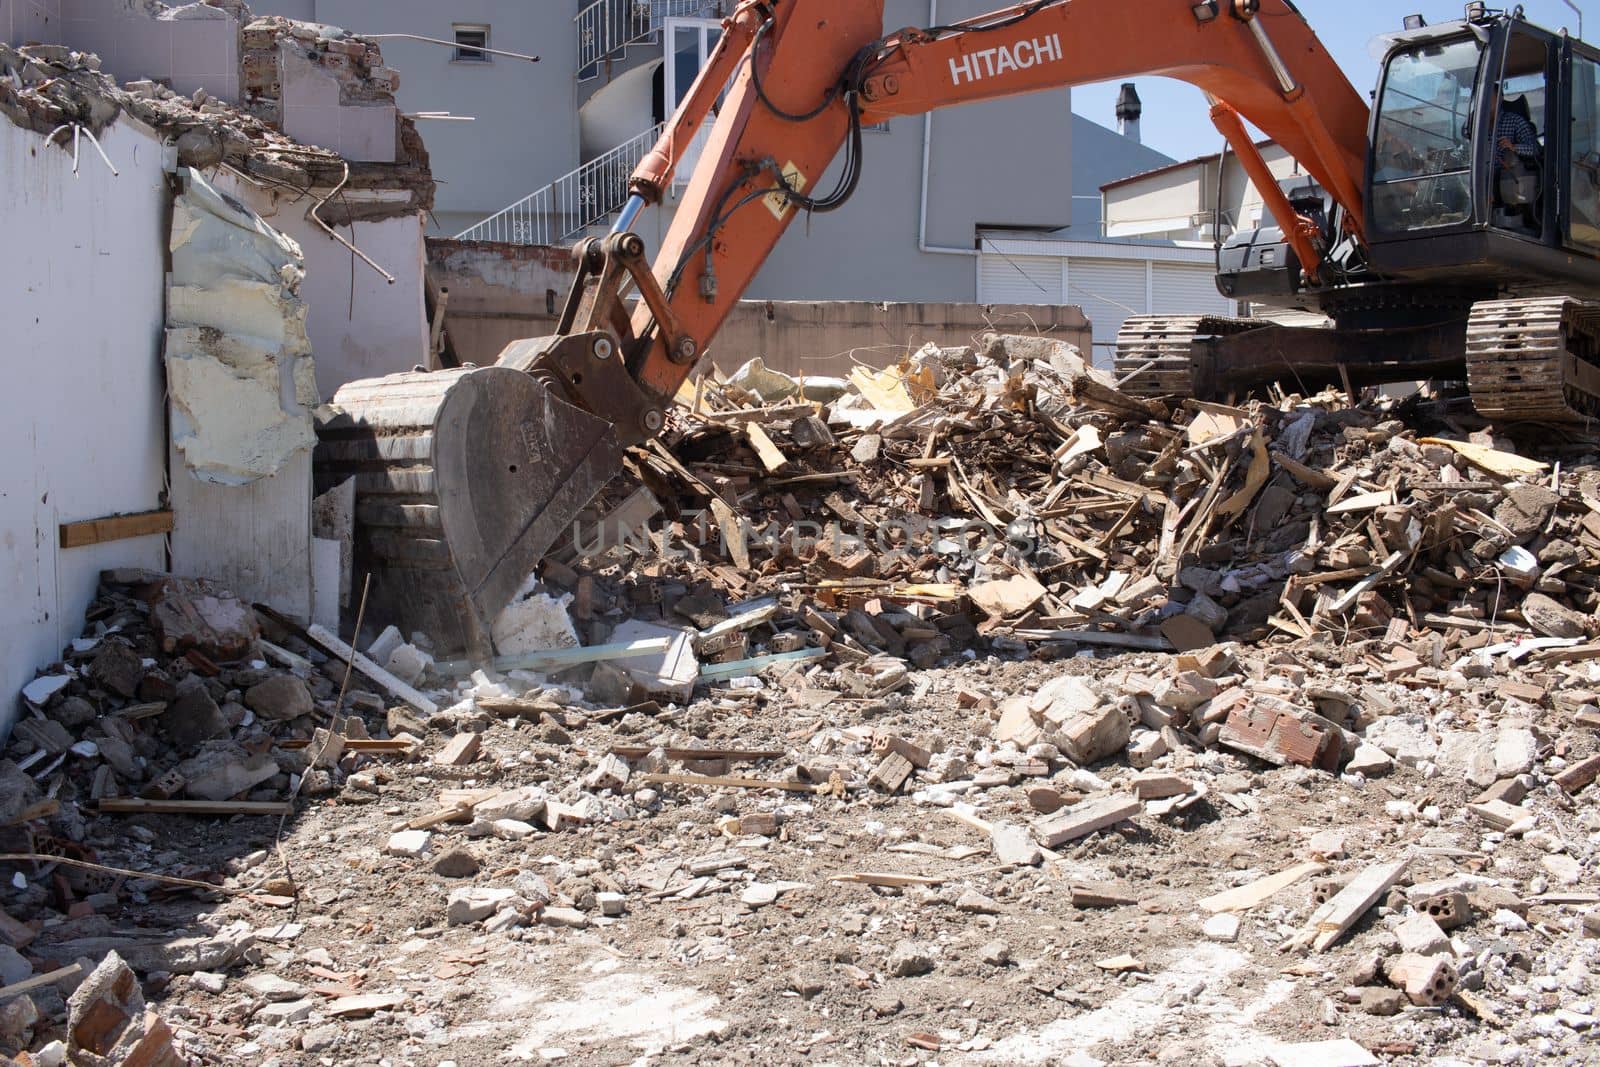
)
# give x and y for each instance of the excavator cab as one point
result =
(1485, 157)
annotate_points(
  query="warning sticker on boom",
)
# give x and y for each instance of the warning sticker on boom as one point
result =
(779, 203)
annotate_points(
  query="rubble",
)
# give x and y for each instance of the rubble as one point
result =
(799, 804)
(45, 87)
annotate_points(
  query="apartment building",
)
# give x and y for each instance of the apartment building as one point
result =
(546, 156)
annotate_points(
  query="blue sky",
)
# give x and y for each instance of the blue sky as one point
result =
(1175, 114)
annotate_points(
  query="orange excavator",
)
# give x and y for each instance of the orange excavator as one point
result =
(1457, 225)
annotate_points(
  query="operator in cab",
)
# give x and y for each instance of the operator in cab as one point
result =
(1517, 158)
(1515, 136)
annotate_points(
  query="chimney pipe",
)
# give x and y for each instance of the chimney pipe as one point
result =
(1129, 110)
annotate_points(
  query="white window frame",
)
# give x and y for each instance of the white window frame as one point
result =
(669, 42)
(484, 55)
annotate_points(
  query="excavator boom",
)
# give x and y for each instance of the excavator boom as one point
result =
(461, 489)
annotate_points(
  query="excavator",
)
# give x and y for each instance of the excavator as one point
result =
(1454, 227)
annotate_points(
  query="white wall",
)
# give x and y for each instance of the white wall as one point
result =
(526, 133)
(381, 329)
(82, 428)
(1161, 205)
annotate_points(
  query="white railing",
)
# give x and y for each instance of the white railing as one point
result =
(606, 27)
(562, 210)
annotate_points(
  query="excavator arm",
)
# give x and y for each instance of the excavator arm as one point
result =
(465, 478)
(806, 75)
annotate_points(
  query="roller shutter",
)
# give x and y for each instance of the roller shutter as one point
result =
(1109, 291)
(1008, 279)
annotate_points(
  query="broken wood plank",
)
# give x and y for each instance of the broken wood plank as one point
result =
(1105, 638)
(1083, 819)
(1363, 502)
(1245, 897)
(1573, 654)
(1505, 464)
(460, 750)
(1008, 596)
(135, 805)
(394, 686)
(1086, 895)
(115, 528)
(371, 746)
(1372, 581)
(742, 620)
(733, 533)
(743, 754)
(886, 879)
(716, 781)
(1333, 919)
(1307, 476)
(1108, 483)
(459, 813)
(770, 455)
(1256, 476)
(41, 809)
(777, 413)
(1090, 391)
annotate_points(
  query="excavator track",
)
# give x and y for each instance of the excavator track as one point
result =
(1153, 357)
(1535, 360)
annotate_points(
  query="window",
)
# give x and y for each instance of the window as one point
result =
(470, 44)
(1422, 168)
(688, 45)
(1585, 180)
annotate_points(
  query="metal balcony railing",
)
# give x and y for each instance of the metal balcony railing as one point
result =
(564, 209)
(606, 27)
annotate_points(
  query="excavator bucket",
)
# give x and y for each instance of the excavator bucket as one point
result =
(464, 479)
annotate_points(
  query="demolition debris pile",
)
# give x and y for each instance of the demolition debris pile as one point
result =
(1312, 755)
(1015, 501)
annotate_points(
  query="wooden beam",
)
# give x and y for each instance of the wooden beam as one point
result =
(725, 782)
(1245, 897)
(394, 686)
(1330, 921)
(135, 805)
(115, 528)
(770, 455)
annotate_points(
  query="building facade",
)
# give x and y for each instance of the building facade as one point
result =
(1195, 199)
(553, 141)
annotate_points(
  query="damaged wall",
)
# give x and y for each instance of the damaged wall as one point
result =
(82, 433)
(499, 293)
(242, 390)
(830, 337)
(189, 46)
(360, 325)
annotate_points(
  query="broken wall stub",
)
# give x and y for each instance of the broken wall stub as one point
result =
(242, 387)
(239, 365)
(500, 293)
(186, 46)
(322, 108)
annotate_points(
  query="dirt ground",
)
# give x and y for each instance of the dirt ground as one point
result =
(769, 958)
